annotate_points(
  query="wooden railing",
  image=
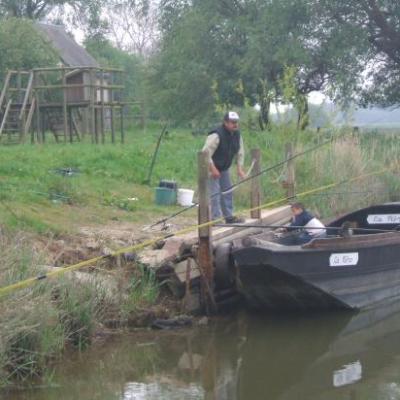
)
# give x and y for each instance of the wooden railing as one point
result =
(28, 95)
(3, 122)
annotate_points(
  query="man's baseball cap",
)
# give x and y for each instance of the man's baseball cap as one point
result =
(231, 116)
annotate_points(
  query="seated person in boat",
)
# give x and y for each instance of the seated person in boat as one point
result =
(304, 227)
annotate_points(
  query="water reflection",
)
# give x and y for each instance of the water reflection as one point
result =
(342, 356)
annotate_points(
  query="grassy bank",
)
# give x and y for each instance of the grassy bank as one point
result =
(106, 182)
(53, 189)
(39, 323)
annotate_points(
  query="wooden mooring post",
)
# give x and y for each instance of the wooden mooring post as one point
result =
(205, 258)
(290, 179)
(255, 196)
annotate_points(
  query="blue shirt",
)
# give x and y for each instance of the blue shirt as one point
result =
(301, 220)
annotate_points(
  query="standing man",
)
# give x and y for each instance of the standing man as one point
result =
(224, 144)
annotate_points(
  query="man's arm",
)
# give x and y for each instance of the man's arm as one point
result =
(211, 145)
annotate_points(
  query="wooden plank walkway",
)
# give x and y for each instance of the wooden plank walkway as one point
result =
(175, 247)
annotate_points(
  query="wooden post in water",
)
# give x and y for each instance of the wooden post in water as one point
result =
(205, 259)
(255, 196)
(291, 180)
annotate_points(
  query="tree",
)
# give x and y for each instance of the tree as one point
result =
(377, 24)
(349, 49)
(83, 13)
(181, 83)
(133, 25)
(31, 9)
(22, 47)
(197, 69)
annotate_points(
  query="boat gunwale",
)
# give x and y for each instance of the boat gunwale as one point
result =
(327, 243)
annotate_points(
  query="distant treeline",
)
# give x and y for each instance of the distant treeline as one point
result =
(189, 60)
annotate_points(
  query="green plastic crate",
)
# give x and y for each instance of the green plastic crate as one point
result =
(165, 196)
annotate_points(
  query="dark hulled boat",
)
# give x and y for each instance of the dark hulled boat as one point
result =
(353, 271)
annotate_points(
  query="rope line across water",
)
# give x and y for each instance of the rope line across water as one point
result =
(31, 281)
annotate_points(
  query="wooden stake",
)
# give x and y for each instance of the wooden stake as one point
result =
(153, 160)
(255, 199)
(291, 180)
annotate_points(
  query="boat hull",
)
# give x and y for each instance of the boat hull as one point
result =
(293, 277)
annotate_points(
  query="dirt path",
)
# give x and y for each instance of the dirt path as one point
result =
(96, 240)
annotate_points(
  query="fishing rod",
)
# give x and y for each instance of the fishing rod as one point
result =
(298, 227)
(139, 246)
(231, 188)
(349, 193)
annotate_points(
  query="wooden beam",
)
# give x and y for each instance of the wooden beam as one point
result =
(291, 180)
(102, 113)
(19, 85)
(205, 250)
(92, 116)
(82, 67)
(75, 85)
(29, 118)
(38, 119)
(65, 111)
(27, 95)
(3, 122)
(5, 87)
(122, 125)
(112, 125)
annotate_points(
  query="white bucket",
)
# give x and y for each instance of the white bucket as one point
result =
(185, 197)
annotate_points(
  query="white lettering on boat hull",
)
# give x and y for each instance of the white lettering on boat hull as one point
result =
(343, 259)
(375, 219)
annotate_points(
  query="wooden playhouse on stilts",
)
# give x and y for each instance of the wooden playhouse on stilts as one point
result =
(67, 101)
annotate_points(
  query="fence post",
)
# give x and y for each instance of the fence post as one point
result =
(255, 195)
(291, 180)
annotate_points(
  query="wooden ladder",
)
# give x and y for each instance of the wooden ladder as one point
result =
(16, 119)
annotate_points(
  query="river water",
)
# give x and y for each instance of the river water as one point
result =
(331, 356)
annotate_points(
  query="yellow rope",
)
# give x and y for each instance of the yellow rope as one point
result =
(30, 281)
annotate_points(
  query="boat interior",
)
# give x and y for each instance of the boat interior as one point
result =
(372, 225)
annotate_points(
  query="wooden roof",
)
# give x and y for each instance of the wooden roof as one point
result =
(70, 52)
